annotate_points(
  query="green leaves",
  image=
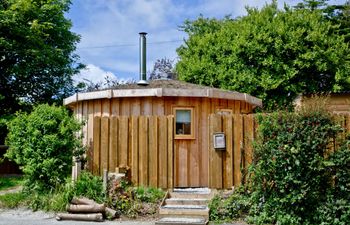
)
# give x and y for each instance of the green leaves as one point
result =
(295, 174)
(43, 143)
(36, 51)
(270, 53)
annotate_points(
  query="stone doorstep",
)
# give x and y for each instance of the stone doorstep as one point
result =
(186, 201)
(185, 206)
(182, 221)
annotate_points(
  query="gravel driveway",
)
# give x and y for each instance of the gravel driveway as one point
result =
(27, 217)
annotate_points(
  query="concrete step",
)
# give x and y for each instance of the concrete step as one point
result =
(182, 221)
(203, 193)
(184, 210)
(186, 201)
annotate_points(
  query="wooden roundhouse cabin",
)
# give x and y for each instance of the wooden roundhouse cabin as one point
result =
(160, 131)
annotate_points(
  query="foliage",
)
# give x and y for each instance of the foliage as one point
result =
(336, 209)
(134, 201)
(109, 82)
(225, 207)
(13, 200)
(9, 182)
(43, 143)
(37, 53)
(292, 182)
(163, 69)
(89, 186)
(274, 54)
(149, 194)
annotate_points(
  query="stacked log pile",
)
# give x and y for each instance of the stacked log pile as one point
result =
(84, 209)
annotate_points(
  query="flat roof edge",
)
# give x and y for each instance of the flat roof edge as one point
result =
(163, 92)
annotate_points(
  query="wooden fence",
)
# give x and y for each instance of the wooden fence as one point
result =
(228, 168)
(146, 145)
(142, 143)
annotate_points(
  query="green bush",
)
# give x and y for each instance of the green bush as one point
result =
(149, 194)
(227, 208)
(290, 172)
(87, 185)
(336, 209)
(43, 143)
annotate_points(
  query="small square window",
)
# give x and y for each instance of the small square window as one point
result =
(184, 127)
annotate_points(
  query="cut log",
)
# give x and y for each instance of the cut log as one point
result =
(98, 217)
(97, 208)
(83, 201)
(111, 213)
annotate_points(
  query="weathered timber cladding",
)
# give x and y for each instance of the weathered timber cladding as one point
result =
(146, 144)
(230, 166)
(149, 158)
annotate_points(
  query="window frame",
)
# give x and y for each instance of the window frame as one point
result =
(184, 136)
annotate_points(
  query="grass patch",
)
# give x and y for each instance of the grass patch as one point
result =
(9, 182)
(13, 200)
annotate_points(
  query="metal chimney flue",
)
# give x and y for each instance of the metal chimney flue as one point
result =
(143, 79)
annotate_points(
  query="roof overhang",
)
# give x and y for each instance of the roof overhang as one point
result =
(163, 92)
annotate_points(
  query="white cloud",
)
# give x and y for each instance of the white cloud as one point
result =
(94, 74)
(115, 24)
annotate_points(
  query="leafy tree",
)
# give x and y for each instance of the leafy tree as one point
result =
(43, 144)
(270, 53)
(163, 68)
(36, 53)
(338, 14)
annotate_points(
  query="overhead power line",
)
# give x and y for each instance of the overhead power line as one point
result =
(129, 45)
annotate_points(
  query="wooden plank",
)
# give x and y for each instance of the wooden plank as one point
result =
(237, 107)
(248, 142)
(170, 151)
(162, 149)
(123, 141)
(96, 144)
(228, 154)
(135, 107)
(124, 107)
(106, 107)
(158, 107)
(347, 124)
(203, 140)
(237, 145)
(85, 117)
(104, 144)
(115, 107)
(181, 154)
(215, 156)
(146, 106)
(153, 151)
(113, 144)
(135, 150)
(97, 108)
(90, 127)
(143, 150)
(193, 147)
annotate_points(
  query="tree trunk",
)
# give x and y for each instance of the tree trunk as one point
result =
(98, 217)
(97, 208)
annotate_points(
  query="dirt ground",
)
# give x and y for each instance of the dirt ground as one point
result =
(25, 216)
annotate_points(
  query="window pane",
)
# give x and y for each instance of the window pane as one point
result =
(183, 116)
(183, 122)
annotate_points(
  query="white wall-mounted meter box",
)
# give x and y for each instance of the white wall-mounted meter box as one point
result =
(219, 141)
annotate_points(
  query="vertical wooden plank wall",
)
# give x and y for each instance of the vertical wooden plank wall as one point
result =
(142, 143)
(226, 168)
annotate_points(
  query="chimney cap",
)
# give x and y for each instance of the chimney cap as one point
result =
(143, 33)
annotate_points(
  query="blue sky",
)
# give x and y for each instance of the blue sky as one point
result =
(109, 30)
